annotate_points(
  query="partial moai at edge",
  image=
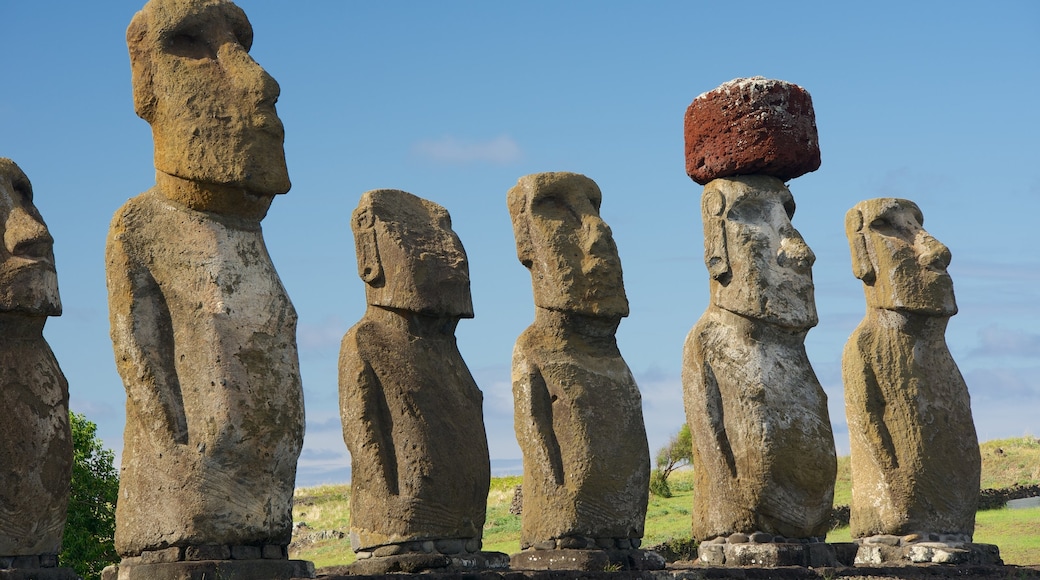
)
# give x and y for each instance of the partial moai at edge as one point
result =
(411, 411)
(914, 452)
(35, 438)
(762, 439)
(578, 416)
(203, 331)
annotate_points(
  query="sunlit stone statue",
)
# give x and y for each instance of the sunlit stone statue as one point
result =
(578, 417)
(411, 411)
(762, 437)
(35, 440)
(202, 328)
(914, 451)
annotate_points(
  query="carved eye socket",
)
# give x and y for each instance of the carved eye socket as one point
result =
(883, 226)
(24, 189)
(789, 208)
(189, 45)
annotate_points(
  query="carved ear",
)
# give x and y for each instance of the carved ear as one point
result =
(862, 267)
(716, 256)
(370, 269)
(520, 215)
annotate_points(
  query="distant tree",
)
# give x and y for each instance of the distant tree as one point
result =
(89, 541)
(677, 453)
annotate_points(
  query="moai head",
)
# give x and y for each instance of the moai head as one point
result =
(568, 248)
(759, 264)
(28, 282)
(210, 105)
(408, 255)
(902, 266)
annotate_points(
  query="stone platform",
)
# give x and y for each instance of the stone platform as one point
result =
(815, 555)
(211, 570)
(431, 562)
(929, 552)
(694, 571)
(43, 567)
(588, 560)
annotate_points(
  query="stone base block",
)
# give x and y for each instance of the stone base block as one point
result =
(433, 562)
(929, 553)
(845, 552)
(813, 555)
(210, 569)
(39, 574)
(587, 560)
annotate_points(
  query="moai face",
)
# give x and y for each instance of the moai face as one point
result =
(760, 266)
(567, 246)
(409, 256)
(28, 282)
(210, 105)
(902, 266)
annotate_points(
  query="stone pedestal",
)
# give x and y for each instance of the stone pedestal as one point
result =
(587, 560)
(966, 553)
(814, 555)
(210, 569)
(433, 562)
(20, 569)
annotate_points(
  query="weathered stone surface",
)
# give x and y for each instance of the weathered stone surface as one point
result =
(762, 440)
(35, 440)
(430, 564)
(411, 411)
(767, 555)
(960, 554)
(40, 574)
(591, 560)
(914, 452)
(202, 328)
(578, 416)
(751, 126)
(212, 569)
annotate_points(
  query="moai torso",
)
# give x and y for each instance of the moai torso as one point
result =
(411, 411)
(413, 424)
(578, 417)
(761, 426)
(35, 439)
(205, 341)
(914, 452)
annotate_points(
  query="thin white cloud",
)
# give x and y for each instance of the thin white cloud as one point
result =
(500, 150)
(997, 341)
(324, 335)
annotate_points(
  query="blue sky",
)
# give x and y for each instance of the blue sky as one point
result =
(454, 101)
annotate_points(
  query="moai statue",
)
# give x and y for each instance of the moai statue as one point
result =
(762, 440)
(412, 413)
(915, 456)
(578, 416)
(203, 331)
(35, 440)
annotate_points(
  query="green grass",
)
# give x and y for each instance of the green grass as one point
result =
(1006, 462)
(1016, 532)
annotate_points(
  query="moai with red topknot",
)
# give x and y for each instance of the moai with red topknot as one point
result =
(762, 439)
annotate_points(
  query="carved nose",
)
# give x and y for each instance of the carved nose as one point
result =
(598, 238)
(26, 236)
(795, 253)
(935, 255)
(248, 74)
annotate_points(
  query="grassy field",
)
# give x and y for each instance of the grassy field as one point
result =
(325, 511)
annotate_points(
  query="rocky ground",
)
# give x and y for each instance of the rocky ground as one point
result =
(691, 571)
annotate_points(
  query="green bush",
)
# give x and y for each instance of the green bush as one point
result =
(659, 484)
(88, 544)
